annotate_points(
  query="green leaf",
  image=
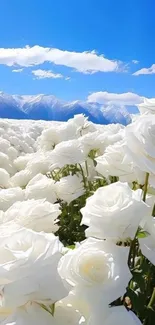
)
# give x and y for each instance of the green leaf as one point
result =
(71, 246)
(142, 234)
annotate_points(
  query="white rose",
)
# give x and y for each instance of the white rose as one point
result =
(28, 268)
(140, 139)
(90, 142)
(98, 269)
(110, 128)
(4, 160)
(150, 201)
(31, 314)
(6, 163)
(109, 137)
(40, 163)
(68, 314)
(114, 211)
(4, 145)
(12, 153)
(69, 188)
(21, 178)
(2, 214)
(67, 153)
(115, 162)
(82, 124)
(56, 134)
(115, 315)
(148, 106)
(77, 302)
(21, 162)
(8, 228)
(9, 196)
(4, 178)
(147, 244)
(38, 215)
(41, 187)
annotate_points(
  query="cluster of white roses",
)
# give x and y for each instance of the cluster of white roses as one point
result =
(41, 281)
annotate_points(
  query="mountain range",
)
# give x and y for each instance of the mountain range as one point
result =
(48, 107)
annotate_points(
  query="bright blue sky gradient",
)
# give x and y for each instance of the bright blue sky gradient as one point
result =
(121, 30)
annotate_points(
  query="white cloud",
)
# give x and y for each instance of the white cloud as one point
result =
(17, 70)
(85, 62)
(42, 74)
(150, 70)
(135, 61)
(124, 99)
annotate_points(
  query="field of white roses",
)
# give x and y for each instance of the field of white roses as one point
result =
(77, 226)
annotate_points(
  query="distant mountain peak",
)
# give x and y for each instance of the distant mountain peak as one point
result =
(48, 107)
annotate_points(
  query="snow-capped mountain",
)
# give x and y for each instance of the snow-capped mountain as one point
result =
(48, 107)
(9, 107)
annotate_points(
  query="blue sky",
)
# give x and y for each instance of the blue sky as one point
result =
(119, 30)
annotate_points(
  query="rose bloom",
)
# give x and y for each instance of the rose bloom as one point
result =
(114, 211)
(90, 141)
(6, 163)
(67, 153)
(21, 178)
(41, 187)
(4, 178)
(147, 244)
(69, 188)
(67, 312)
(21, 162)
(148, 106)
(83, 126)
(30, 314)
(38, 215)
(116, 315)
(56, 134)
(115, 162)
(97, 269)
(28, 268)
(9, 196)
(110, 136)
(140, 139)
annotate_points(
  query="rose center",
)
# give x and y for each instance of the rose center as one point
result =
(94, 268)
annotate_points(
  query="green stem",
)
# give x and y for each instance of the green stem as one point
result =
(152, 300)
(145, 186)
(86, 164)
(83, 176)
(153, 211)
(132, 254)
(87, 172)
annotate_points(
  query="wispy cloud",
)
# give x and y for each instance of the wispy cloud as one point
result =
(135, 61)
(124, 99)
(150, 70)
(17, 70)
(42, 74)
(85, 62)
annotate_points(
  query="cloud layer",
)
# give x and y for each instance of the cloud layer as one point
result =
(85, 62)
(150, 70)
(42, 74)
(17, 70)
(124, 99)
